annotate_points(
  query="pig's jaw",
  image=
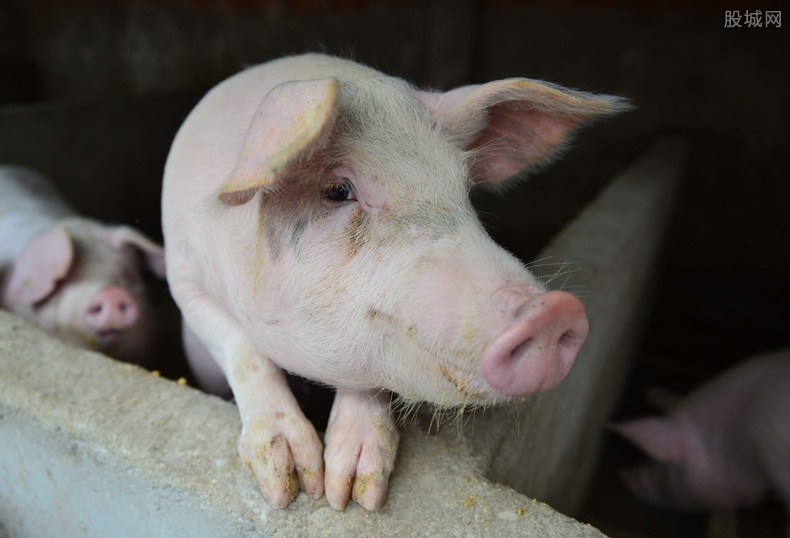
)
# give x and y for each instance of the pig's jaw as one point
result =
(510, 347)
(446, 374)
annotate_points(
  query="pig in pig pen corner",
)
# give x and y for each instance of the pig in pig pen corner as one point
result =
(317, 221)
(725, 445)
(74, 277)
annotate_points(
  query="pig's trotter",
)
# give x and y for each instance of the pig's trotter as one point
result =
(283, 452)
(361, 444)
(277, 442)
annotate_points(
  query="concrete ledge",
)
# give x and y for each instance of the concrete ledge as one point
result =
(92, 447)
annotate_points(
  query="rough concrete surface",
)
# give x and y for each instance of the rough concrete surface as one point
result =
(93, 447)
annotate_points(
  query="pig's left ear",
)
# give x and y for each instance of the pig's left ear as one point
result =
(120, 236)
(293, 121)
(662, 439)
(514, 124)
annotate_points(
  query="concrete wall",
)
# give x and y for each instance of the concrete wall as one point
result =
(92, 447)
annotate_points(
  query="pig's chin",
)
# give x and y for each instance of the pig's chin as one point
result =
(469, 387)
(127, 345)
(446, 375)
(445, 383)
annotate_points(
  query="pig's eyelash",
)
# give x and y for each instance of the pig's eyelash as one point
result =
(339, 191)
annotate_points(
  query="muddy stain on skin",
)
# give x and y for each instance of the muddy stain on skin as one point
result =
(273, 235)
(374, 313)
(363, 482)
(288, 215)
(355, 234)
(412, 332)
(460, 384)
(296, 233)
(244, 369)
(434, 220)
(473, 348)
(259, 255)
(467, 331)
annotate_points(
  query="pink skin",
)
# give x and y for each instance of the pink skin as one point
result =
(317, 220)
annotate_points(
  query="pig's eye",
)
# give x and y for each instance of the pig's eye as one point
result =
(339, 192)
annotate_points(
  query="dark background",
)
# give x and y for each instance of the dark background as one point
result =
(92, 93)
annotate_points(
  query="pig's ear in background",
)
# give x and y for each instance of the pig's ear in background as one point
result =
(514, 124)
(662, 439)
(154, 255)
(40, 268)
(293, 121)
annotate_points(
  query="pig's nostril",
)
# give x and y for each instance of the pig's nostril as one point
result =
(567, 339)
(122, 307)
(95, 309)
(520, 349)
(538, 348)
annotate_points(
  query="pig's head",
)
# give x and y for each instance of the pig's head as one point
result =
(679, 473)
(370, 267)
(82, 281)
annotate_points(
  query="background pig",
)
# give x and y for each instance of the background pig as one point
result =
(317, 220)
(725, 445)
(72, 276)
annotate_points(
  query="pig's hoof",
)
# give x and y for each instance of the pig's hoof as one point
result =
(284, 460)
(365, 478)
(359, 460)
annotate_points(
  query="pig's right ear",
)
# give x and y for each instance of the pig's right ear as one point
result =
(41, 266)
(514, 124)
(663, 439)
(154, 255)
(293, 121)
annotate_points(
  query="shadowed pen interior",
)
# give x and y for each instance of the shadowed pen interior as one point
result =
(664, 228)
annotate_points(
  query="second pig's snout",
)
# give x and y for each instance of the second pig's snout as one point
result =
(539, 347)
(111, 310)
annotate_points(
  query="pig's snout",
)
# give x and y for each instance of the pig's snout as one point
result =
(111, 310)
(538, 349)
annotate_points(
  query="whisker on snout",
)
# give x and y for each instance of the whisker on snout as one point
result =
(565, 271)
(540, 263)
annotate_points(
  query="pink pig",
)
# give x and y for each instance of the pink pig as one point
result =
(725, 445)
(71, 276)
(317, 220)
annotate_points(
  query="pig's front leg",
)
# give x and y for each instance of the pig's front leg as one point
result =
(277, 442)
(361, 444)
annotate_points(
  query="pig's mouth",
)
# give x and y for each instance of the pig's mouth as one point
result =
(108, 336)
(468, 385)
(468, 388)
